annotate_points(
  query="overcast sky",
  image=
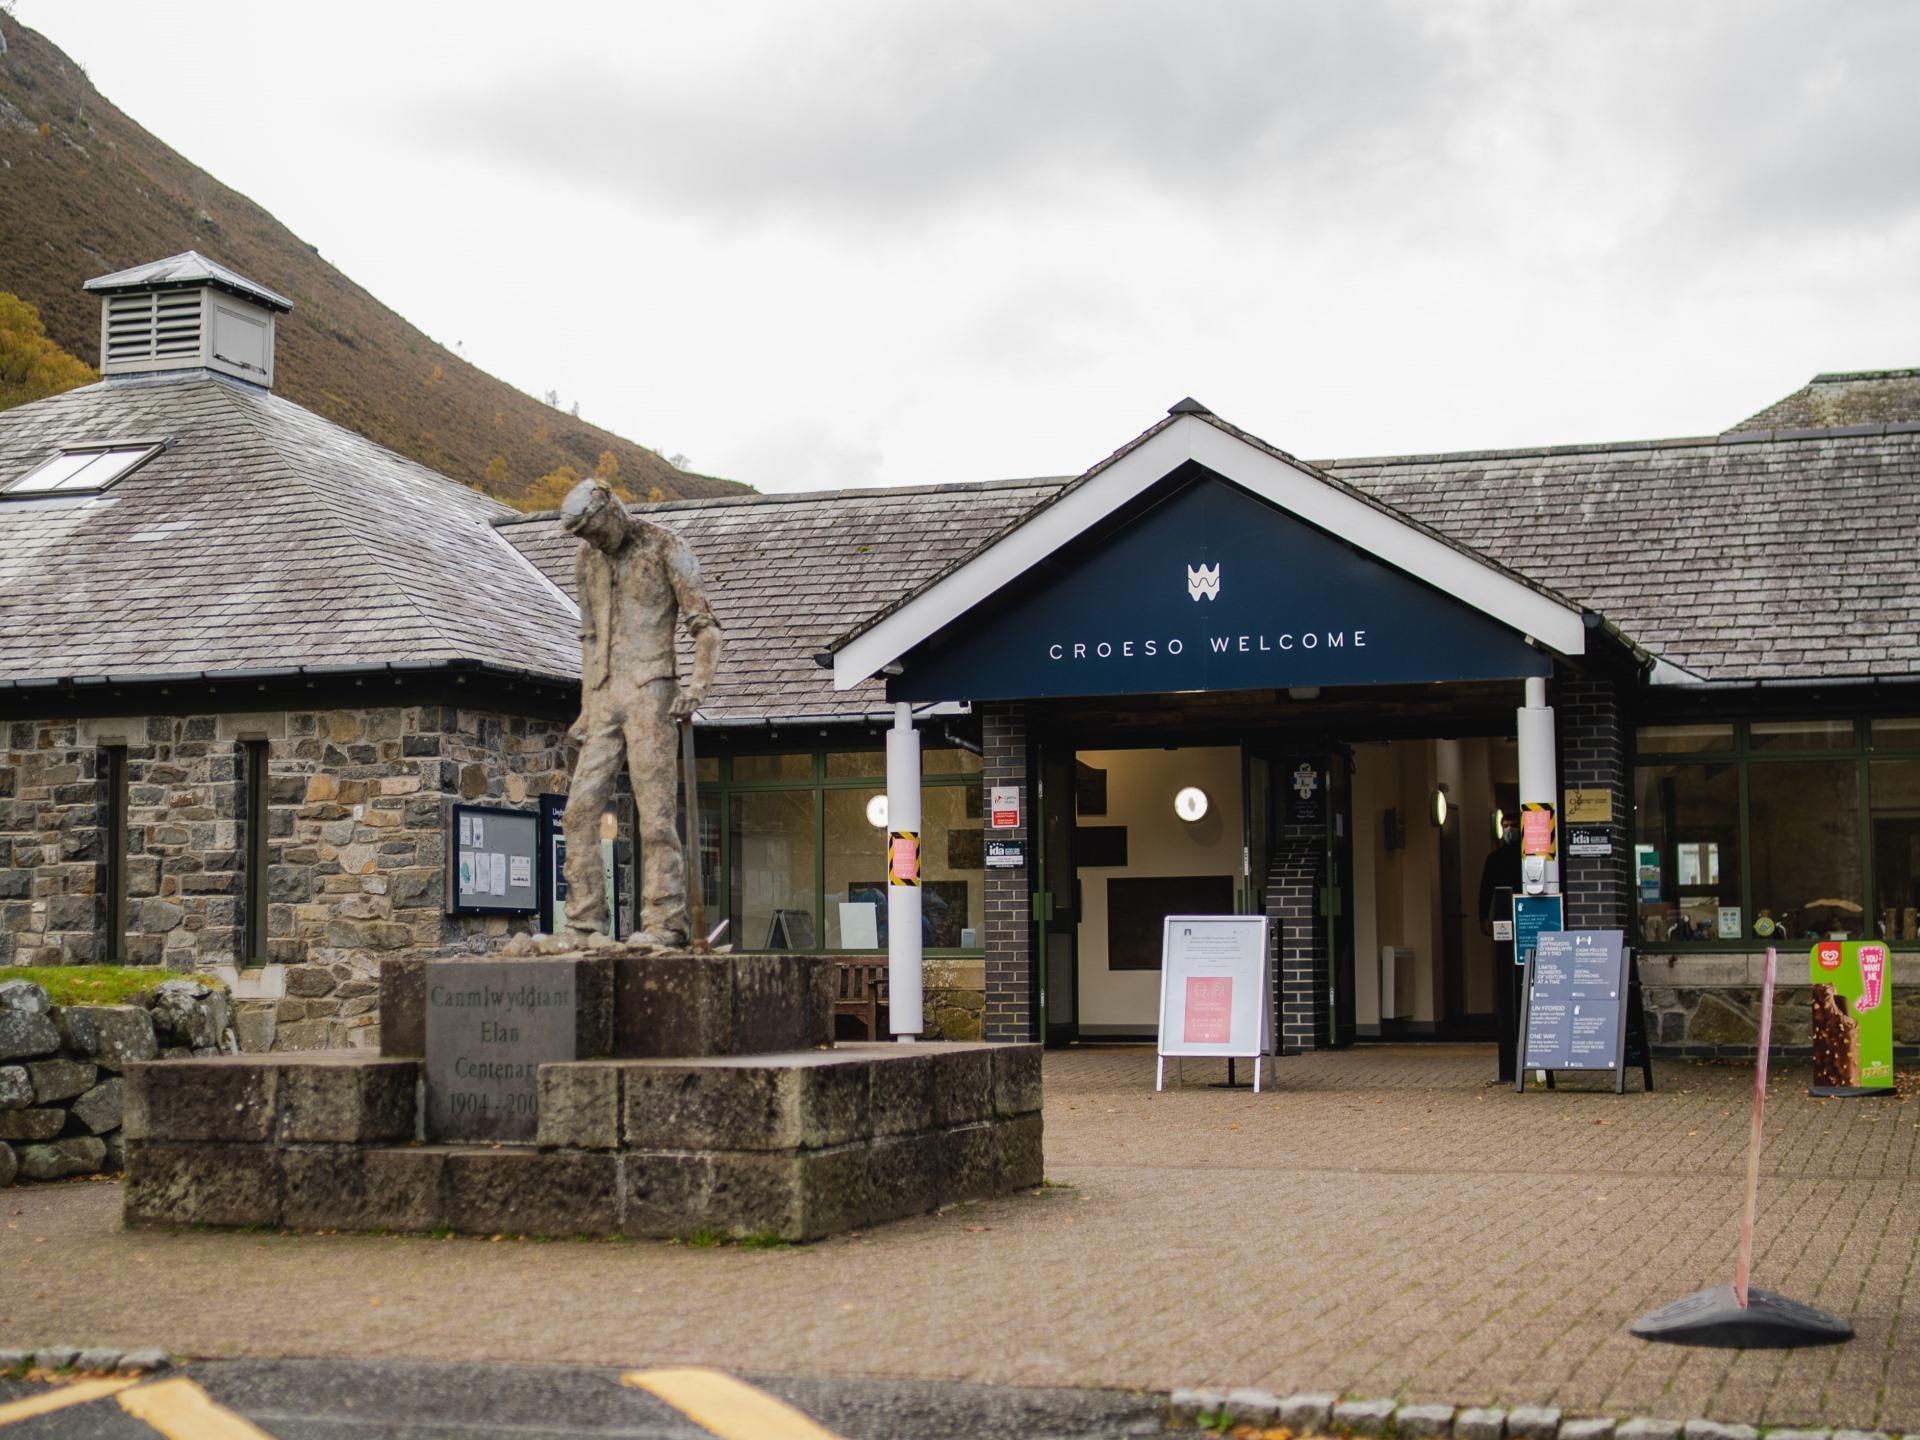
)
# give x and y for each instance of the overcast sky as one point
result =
(825, 244)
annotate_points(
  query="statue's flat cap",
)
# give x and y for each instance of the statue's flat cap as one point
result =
(583, 502)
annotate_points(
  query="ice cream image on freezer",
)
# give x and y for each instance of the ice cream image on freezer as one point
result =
(1836, 1039)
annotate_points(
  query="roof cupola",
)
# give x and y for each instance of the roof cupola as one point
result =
(186, 313)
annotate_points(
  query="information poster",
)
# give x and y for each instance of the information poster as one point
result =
(1852, 1017)
(1215, 995)
(1533, 916)
(1576, 1016)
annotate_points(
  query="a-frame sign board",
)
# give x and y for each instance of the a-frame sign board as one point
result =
(1580, 1009)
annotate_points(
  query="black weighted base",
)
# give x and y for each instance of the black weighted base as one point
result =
(1769, 1322)
(1848, 1092)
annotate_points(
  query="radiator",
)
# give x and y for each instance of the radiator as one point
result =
(1396, 982)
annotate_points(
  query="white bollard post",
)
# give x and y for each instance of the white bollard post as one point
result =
(1534, 729)
(905, 982)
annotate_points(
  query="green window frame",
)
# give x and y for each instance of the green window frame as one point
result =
(828, 768)
(1750, 747)
(113, 856)
(254, 782)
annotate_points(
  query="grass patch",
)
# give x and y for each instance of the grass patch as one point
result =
(763, 1240)
(703, 1239)
(97, 984)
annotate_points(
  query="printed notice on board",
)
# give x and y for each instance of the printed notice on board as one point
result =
(1209, 1010)
(497, 873)
(520, 871)
(1213, 983)
(466, 832)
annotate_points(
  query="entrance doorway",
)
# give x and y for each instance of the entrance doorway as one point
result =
(1423, 820)
(1143, 833)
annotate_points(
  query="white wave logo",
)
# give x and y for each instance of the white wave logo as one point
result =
(1203, 582)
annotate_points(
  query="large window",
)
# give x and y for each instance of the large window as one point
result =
(804, 854)
(1782, 831)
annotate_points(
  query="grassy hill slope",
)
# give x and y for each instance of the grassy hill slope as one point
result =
(84, 190)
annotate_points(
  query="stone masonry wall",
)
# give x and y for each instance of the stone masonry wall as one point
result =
(357, 848)
(50, 841)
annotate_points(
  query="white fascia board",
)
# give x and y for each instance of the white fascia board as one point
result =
(1295, 491)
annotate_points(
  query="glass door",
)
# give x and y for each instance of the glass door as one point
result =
(1336, 905)
(1055, 891)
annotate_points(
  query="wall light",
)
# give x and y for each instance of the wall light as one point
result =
(1440, 805)
(1190, 804)
(1499, 826)
(877, 812)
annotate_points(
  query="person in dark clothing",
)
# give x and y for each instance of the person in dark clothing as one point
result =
(1502, 870)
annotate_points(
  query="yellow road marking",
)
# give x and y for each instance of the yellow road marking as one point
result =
(730, 1408)
(45, 1403)
(181, 1410)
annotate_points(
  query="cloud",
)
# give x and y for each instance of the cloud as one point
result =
(885, 112)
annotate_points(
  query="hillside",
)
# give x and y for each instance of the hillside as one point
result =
(84, 190)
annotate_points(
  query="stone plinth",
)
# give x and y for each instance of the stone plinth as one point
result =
(795, 1145)
(685, 1004)
(663, 1003)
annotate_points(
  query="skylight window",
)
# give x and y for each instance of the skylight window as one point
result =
(82, 469)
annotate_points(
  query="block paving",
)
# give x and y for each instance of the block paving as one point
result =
(1382, 1223)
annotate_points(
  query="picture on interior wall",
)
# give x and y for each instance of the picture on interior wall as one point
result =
(1089, 789)
(1102, 847)
(1138, 906)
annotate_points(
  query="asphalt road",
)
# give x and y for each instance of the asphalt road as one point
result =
(420, 1400)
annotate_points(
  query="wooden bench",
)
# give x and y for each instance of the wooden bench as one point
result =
(860, 991)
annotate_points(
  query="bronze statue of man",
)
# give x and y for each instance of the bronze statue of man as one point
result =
(636, 582)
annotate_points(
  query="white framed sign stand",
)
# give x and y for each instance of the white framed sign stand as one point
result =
(1216, 991)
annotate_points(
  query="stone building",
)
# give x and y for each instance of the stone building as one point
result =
(251, 663)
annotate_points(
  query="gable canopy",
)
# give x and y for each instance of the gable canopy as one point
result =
(1200, 559)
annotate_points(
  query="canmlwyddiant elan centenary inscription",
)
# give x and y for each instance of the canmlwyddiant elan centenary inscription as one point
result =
(491, 1025)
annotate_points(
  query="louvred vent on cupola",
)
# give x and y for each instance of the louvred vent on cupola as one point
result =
(156, 325)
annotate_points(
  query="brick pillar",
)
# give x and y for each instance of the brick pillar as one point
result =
(1009, 906)
(1299, 936)
(1593, 756)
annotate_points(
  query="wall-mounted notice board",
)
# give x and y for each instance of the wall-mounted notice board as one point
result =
(493, 861)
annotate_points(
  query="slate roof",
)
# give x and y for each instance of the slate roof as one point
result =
(1873, 398)
(1735, 558)
(786, 573)
(266, 537)
(263, 537)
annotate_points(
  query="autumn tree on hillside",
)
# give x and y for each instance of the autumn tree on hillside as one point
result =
(550, 489)
(32, 367)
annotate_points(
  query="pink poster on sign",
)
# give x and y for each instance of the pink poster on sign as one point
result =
(1209, 1010)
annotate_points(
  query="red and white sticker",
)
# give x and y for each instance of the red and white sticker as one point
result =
(1829, 956)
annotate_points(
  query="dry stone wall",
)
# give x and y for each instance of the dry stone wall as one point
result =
(61, 1090)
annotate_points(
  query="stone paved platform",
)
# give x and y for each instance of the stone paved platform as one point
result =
(1381, 1223)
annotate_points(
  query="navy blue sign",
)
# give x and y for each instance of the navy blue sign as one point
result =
(1208, 587)
(1575, 1019)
